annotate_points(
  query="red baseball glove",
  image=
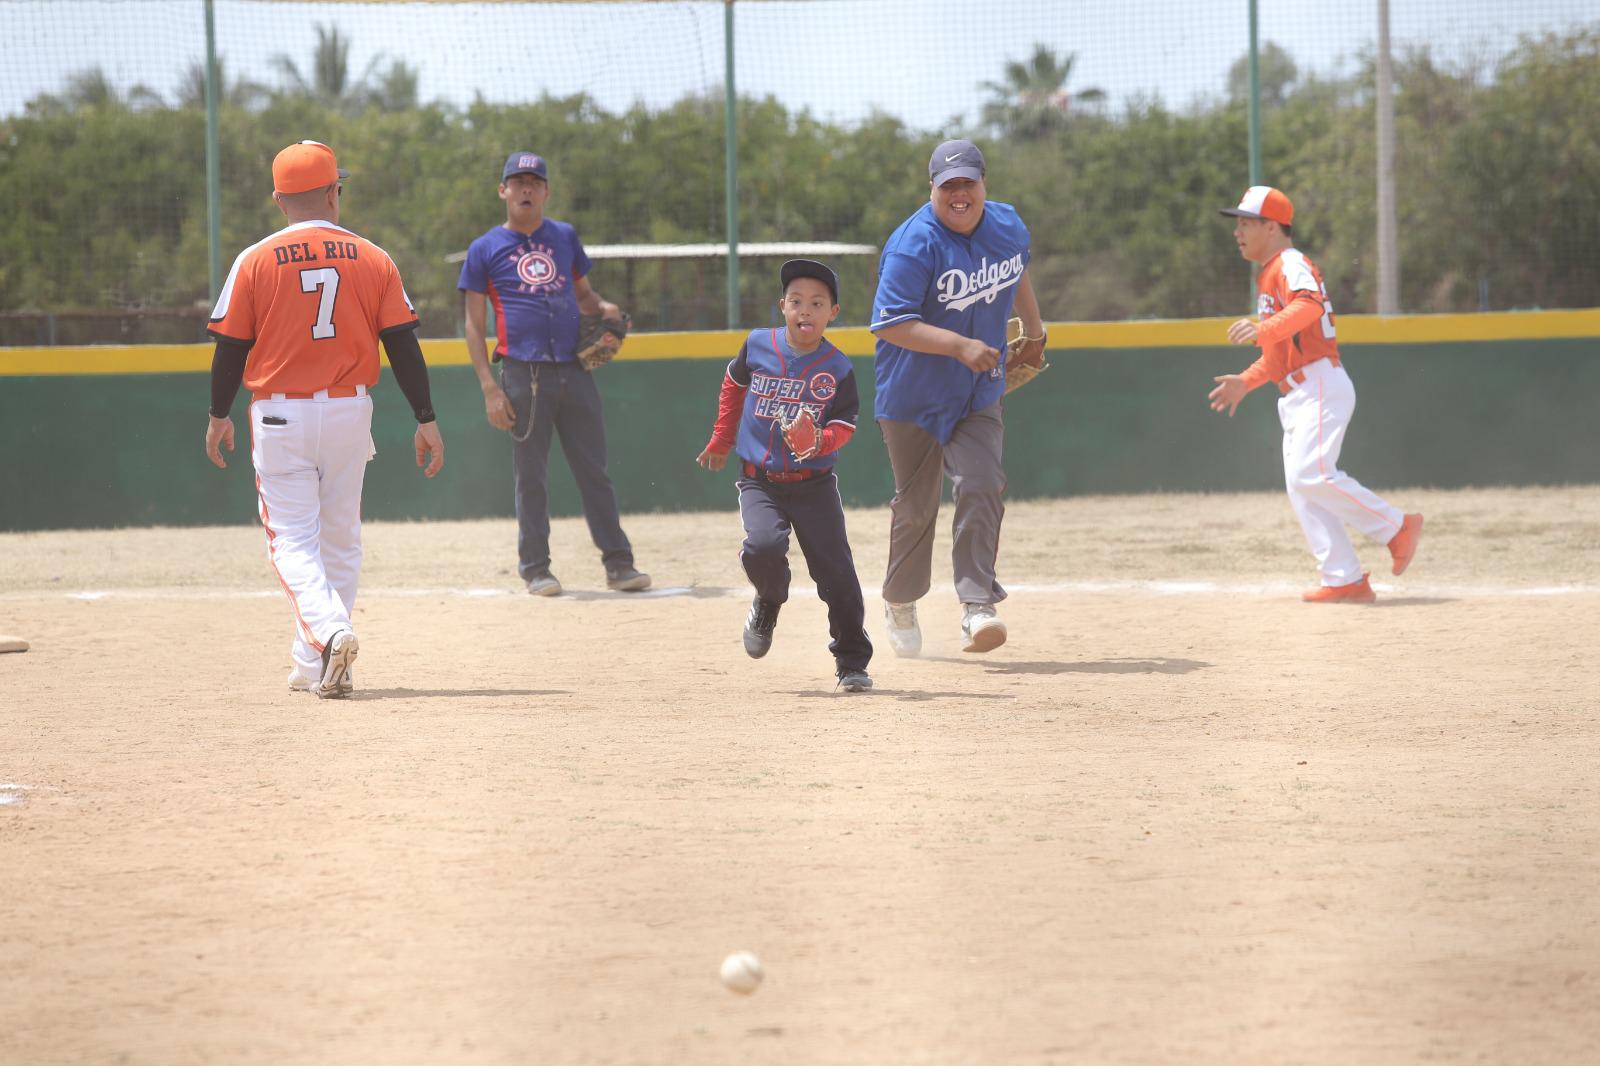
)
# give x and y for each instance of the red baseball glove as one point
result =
(802, 435)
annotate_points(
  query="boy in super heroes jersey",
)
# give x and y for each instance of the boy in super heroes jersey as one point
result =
(1300, 355)
(788, 404)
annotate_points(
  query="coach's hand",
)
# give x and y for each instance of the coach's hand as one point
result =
(1242, 331)
(1229, 391)
(977, 355)
(497, 407)
(429, 442)
(218, 431)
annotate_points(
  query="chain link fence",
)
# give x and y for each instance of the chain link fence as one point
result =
(1117, 129)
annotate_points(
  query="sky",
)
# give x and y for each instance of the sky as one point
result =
(923, 61)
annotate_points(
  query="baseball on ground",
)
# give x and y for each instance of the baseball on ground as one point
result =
(742, 972)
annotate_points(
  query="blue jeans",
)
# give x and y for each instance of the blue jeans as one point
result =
(568, 403)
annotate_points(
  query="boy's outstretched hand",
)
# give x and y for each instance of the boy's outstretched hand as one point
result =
(712, 460)
(1229, 391)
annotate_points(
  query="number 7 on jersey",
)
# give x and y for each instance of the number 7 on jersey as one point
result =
(327, 279)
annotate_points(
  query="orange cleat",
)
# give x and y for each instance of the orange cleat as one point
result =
(1403, 545)
(1355, 592)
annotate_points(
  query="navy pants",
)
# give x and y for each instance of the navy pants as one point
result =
(567, 403)
(813, 510)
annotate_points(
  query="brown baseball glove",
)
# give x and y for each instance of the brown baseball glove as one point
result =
(1024, 355)
(600, 338)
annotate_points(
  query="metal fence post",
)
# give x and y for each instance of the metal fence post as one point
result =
(730, 108)
(213, 170)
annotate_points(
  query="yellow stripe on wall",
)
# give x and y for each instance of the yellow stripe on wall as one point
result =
(722, 344)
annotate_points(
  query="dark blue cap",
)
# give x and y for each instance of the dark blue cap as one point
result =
(810, 268)
(955, 159)
(524, 163)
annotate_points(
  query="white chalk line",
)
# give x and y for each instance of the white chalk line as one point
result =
(13, 793)
(1154, 587)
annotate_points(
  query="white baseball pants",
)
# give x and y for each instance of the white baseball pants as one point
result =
(311, 460)
(1315, 414)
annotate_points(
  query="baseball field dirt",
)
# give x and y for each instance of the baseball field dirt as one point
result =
(1179, 817)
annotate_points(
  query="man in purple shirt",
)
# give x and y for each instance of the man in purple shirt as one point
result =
(533, 270)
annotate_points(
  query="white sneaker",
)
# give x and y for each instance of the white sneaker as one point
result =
(299, 682)
(337, 657)
(981, 627)
(904, 635)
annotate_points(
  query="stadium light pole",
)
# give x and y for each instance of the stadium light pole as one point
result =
(1388, 234)
(730, 110)
(213, 175)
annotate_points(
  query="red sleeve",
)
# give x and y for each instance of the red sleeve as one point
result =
(730, 408)
(835, 436)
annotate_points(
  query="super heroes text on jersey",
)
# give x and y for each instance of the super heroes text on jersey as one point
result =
(782, 398)
(307, 251)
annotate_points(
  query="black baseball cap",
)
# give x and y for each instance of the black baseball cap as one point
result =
(810, 268)
(955, 159)
(523, 163)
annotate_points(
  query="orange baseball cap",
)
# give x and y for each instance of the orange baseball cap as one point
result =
(305, 166)
(1263, 201)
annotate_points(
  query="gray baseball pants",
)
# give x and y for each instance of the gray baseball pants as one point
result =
(973, 461)
(568, 403)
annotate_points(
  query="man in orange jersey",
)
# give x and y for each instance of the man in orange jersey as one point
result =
(298, 322)
(1300, 354)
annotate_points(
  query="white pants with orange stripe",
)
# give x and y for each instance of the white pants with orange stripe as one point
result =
(311, 461)
(1315, 415)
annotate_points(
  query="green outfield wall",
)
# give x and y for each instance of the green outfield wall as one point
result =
(106, 437)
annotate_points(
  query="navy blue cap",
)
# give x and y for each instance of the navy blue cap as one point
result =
(955, 159)
(524, 163)
(810, 268)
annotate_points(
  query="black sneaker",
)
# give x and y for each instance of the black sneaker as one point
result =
(758, 627)
(543, 583)
(626, 579)
(855, 681)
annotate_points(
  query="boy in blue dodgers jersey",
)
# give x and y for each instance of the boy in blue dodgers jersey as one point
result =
(946, 284)
(788, 404)
(534, 271)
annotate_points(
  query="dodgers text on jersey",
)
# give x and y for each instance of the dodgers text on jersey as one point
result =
(960, 290)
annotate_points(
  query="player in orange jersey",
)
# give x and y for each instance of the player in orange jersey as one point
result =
(299, 321)
(1300, 354)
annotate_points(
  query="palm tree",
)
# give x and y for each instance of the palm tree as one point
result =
(329, 81)
(1033, 100)
(242, 93)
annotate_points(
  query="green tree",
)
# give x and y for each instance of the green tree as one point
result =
(91, 88)
(1277, 71)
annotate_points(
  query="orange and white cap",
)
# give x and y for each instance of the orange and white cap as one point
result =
(305, 166)
(1263, 201)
